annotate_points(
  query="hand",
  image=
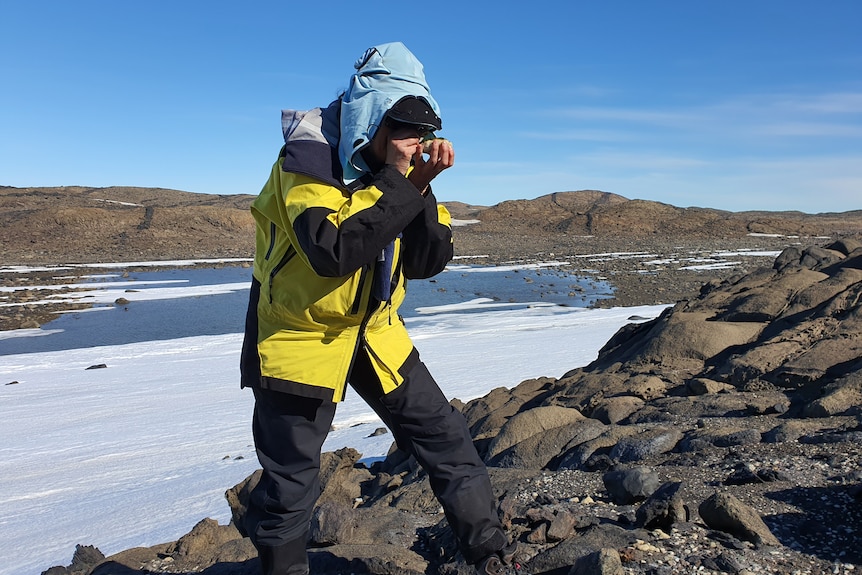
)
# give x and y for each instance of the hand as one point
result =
(401, 149)
(441, 156)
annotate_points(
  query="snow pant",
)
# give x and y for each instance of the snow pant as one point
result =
(289, 431)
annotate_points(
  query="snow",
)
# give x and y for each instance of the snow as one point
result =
(136, 453)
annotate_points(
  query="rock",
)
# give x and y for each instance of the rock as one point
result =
(383, 483)
(746, 474)
(486, 415)
(679, 339)
(663, 508)
(648, 387)
(340, 479)
(703, 386)
(380, 558)
(601, 562)
(332, 523)
(741, 437)
(204, 537)
(539, 535)
(644, 445)
(631, 485)
(85, 558)
(237, 498)
(528, 423)
(845, 246)
(576, 456)
(697, 440)
(541, 449)
(784, 433)
(562, 527)
(840, 397)
(616, 409)
(725, 562)
(725, 512)
(563, 556)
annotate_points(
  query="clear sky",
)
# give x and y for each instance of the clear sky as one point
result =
(735, 105)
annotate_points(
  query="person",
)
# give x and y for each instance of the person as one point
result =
(345, 219)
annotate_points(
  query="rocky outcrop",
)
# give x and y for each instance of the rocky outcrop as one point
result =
(722, 436)
(590, 212)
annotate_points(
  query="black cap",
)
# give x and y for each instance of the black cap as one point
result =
(415, 110)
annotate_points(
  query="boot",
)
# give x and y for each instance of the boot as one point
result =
(501, 563)
(494, 565)
(290, 558)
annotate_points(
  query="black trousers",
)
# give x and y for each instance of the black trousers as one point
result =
(289, 431)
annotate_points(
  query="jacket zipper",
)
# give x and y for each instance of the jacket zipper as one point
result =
(360, 338)
(396, 279)
(363, 276)
(372, 353)
(288, 255)
(272, 230)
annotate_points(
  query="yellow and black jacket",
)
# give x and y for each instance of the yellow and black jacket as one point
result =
(316, 295)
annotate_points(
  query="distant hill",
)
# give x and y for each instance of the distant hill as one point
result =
(597, 213)
(80, 224)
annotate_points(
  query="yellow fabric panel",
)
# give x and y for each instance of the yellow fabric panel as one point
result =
(312, 358)
(313, 302)
(388, 350)
(443, 216)
(307, 193)
(359, 200)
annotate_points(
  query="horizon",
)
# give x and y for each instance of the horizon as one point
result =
(736, 107)
(455, 221)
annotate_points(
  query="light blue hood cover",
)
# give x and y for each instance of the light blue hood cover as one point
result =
(384, 74)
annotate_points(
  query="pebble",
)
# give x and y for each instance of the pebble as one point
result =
(641, 545)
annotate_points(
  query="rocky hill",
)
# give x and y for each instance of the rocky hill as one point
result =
(602, 214)
(80, 225)
(568, 222)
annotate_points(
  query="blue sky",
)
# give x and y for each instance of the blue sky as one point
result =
(736, 105)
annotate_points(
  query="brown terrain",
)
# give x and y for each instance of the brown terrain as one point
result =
(721, 437)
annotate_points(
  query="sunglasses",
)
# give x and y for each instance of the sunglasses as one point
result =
(421, 130)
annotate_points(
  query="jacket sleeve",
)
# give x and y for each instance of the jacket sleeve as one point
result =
(338, 234)
(427, 241)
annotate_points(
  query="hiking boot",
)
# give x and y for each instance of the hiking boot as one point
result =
(501, 563)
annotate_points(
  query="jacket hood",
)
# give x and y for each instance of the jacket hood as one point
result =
(384, 74)
(311, 142)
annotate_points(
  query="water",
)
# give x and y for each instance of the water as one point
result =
(517, 285)
(225, 313)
